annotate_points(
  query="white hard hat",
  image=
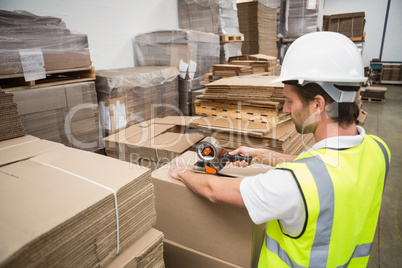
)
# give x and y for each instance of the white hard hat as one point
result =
(325, 58)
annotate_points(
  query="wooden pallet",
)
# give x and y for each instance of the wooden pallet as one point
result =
(53, 78)
(373, 99)
(227, 38)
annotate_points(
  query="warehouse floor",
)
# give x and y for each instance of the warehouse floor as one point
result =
(384, 120)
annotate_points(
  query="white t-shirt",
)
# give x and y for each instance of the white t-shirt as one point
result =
(275, 195)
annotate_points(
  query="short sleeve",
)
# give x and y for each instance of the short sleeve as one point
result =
(274, 195)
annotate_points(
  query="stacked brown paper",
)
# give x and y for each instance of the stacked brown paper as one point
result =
(11, 126)
(63, 209)
(261, 63)
(65, 113)
(248, 98)
(232, 134)
(152, 144)
(258, 23)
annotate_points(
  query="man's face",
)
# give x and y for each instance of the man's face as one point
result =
(298, 112)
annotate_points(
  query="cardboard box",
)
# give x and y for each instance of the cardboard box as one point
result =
(219, 230)
(179, 256)
(62, 206)
(145, 252)
(24, 147)
(156, 140)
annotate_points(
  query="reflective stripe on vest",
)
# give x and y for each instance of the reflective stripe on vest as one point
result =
(320, 249)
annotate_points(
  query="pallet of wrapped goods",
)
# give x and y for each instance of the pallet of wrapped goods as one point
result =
(34, 46)
(215, 16)
(64, 113)
(192, 52)
(297, 17)
(71, 208)
(130, 95)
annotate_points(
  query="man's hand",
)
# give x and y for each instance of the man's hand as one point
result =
(244, 151)
(177, 171)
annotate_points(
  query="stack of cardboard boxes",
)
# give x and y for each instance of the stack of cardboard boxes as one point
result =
(67, 207)
(153, 143)
(258, 23)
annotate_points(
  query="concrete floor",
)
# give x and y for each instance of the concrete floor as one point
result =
(384, 120)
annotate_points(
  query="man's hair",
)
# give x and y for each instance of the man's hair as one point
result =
(343, 113)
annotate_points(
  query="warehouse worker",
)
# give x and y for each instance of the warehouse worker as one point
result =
(321, 207)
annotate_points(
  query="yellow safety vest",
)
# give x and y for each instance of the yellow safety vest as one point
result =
(342, 191)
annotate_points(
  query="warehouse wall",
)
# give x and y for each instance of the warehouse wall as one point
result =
(110, 25)
(375, 15)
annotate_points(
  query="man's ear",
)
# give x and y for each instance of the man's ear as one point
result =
(319, 103)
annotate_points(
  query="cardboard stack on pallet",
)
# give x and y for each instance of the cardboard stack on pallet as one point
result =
(215, 16)
(391, 73)
(47, 67)
(258, 23)
(349, 24)
(373, 93)
(248, 98)
(260, 63)
(72, 208)
(192, 52)
(33, 47)
(134, 94)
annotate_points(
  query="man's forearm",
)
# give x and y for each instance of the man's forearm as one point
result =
(214, 188)
(272, 158)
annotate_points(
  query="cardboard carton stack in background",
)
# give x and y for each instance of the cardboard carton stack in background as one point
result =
(73, 208)
(192, 52)
(260, 63)
(153, 143)
(65, 113)
(391, 73)
(47, 36)
(248, 98)
(134, 94)
(215, 16)
(258, 23)
(349, 24)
